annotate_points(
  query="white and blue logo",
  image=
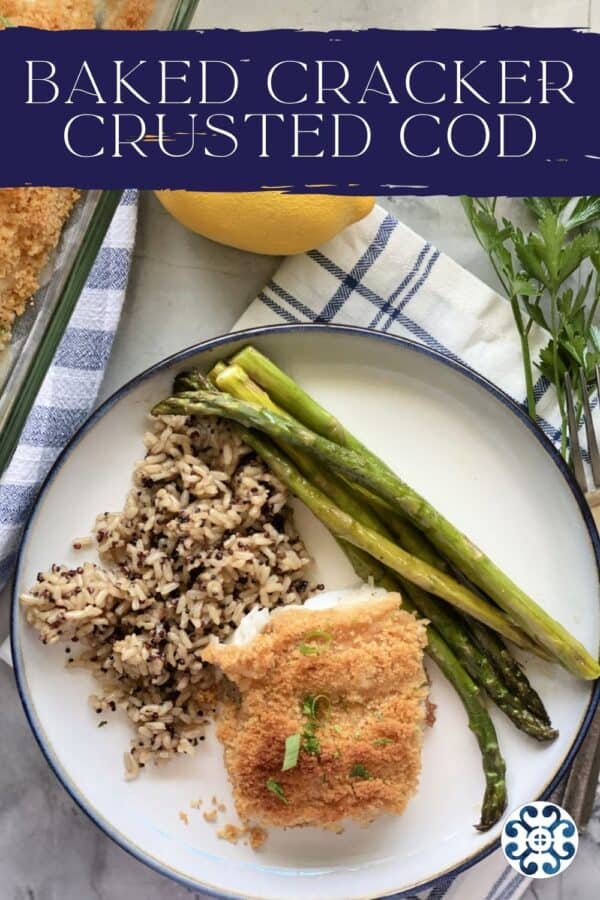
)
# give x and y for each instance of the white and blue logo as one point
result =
(540, 839)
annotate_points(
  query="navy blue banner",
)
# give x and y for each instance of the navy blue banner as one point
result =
(501, 111)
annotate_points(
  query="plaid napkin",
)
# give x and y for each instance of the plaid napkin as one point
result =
(380, 274)
(69, 391)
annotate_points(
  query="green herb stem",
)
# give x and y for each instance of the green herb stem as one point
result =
(536, 270)
(526, 353)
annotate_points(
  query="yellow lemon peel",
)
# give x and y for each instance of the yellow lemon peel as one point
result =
(269, 222)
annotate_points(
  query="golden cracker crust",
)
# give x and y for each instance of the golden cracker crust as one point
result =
(372, 671)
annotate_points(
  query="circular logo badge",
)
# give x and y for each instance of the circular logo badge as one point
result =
(540, 839)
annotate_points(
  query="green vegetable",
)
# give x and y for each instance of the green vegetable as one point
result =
(284, 391)
(6, 22)
(276, 789)
(359, 771)
(292, 752)
(234, 380)
(383, 742)
(509, 670)
(307, 740)
(309, 649)
(480, 722)
(408, 536)
(377, 477)
(311, 743)
(102, 723)
(311, 704)
(480, 668)
(314, 649)
(494, 801)
(448, 540)
(534, 269)
(324, 636)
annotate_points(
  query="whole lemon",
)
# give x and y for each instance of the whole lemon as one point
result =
(265, 221)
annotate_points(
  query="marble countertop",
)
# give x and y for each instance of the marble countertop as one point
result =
(184, 289)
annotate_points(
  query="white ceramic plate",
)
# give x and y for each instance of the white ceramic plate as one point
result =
(475, 456)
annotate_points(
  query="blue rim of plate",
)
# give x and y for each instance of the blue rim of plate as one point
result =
(248, 335)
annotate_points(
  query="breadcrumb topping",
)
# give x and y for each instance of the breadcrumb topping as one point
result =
(54, 15)
(32, 218)
(128, 15)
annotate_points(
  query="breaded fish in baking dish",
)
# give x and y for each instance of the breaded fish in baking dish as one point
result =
(327, 720)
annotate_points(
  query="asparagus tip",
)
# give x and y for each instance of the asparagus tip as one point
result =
(163, 408)
(494, 805)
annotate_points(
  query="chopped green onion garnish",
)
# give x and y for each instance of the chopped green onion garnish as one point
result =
(6, 22)
(321, 700)
(310, 705)
(103, 722)
(313, 649)
(359, 771)
(312, 744)
(309, 649)
(381, 742)
(292, 751)
(324, 636)
(276, 789)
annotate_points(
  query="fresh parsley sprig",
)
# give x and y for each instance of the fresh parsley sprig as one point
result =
(538, 270)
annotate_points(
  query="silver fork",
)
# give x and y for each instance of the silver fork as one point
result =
(582, 780)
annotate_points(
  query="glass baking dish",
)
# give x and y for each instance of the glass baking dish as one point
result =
(37, 333)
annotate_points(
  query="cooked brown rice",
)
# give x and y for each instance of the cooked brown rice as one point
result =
(205, 536)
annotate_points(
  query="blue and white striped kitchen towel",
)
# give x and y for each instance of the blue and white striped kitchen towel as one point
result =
(380, 274)
(69, 391)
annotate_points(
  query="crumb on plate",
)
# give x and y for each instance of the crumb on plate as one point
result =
(233, 833)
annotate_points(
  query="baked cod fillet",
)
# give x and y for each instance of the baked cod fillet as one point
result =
(340, 695)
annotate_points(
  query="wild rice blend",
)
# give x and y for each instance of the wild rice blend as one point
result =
(205, 536)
